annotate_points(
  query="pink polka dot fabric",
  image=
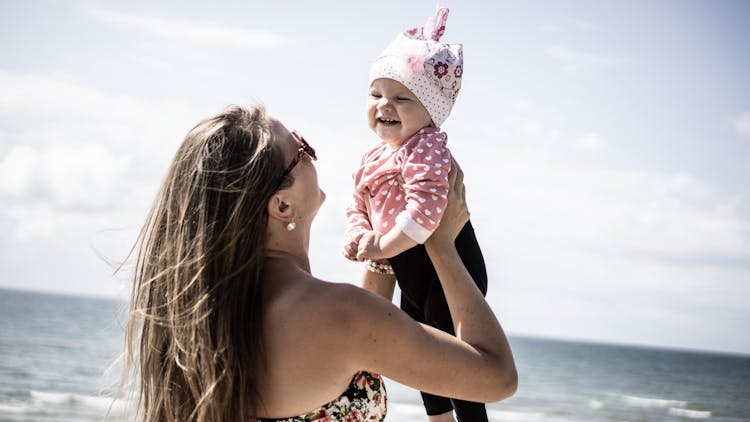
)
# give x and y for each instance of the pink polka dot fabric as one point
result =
(407, 187)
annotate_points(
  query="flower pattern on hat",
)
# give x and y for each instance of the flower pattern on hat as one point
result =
(441, 69)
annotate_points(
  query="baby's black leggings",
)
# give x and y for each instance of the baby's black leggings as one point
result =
(423, 299)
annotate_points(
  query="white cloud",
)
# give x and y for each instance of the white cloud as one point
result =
(521, 105)
(16, 171)
(79, 176)
(54, 110)
(74, 157)
(193, 32)
(528, 127)
(574, 61)
(532, 128)
(589, 142)
(613, 211)
(742, 125)
(602, 252)
(569, 24)
(565, 240)
(34, 222)
(525, 125)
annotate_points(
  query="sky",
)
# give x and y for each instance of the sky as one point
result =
(605, 145)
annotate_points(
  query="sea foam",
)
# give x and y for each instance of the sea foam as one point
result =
(652, 402)
(45, 399)
(411, 412)
(514, 416)
(689, 413)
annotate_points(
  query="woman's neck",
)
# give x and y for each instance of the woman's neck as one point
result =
(301, 261)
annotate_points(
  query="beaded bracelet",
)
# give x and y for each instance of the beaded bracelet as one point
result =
(377, 267)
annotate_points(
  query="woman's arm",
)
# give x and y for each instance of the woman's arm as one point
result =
(476, 365)
(472, 316)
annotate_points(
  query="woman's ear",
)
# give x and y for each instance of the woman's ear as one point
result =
(280, 208)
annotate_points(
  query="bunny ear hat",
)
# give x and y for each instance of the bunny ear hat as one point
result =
(430, 69)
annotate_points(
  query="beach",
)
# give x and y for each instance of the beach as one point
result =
(55, 352)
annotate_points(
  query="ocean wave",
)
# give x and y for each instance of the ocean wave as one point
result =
(411, 412)
(43, 406)
(47, 397)
(6, 409)
(653, 402)
(689, 413)
(595, 404)
(514, 416)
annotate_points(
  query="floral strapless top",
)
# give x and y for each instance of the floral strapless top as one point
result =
(364, 400)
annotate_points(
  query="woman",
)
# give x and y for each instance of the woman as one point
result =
(227, 323)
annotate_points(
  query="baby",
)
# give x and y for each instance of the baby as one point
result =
(401, 185)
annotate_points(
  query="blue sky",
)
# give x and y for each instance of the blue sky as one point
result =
(606, 145)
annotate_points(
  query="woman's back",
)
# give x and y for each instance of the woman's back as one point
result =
(307, 338)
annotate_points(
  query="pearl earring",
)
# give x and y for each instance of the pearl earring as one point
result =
(291, 226)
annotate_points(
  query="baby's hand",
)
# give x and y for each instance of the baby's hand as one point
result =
(369, 246)
(350, 249)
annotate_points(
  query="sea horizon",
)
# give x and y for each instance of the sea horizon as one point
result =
(510, 333)
(55, 350)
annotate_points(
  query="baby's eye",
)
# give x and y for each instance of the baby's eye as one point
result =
(402, 99)
(375, 95)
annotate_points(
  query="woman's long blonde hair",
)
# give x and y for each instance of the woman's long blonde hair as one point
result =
(194, 332)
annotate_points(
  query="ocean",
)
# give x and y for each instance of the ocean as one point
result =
(57, 354)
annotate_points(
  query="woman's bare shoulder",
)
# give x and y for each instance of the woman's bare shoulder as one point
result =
(334, 303)
(335, 317)
(346, 310)
(345, 299)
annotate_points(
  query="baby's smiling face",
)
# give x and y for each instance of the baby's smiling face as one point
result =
(394, 113)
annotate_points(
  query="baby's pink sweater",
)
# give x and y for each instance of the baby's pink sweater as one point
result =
(417, 205)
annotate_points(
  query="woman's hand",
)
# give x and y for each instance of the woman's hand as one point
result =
(456, 213)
